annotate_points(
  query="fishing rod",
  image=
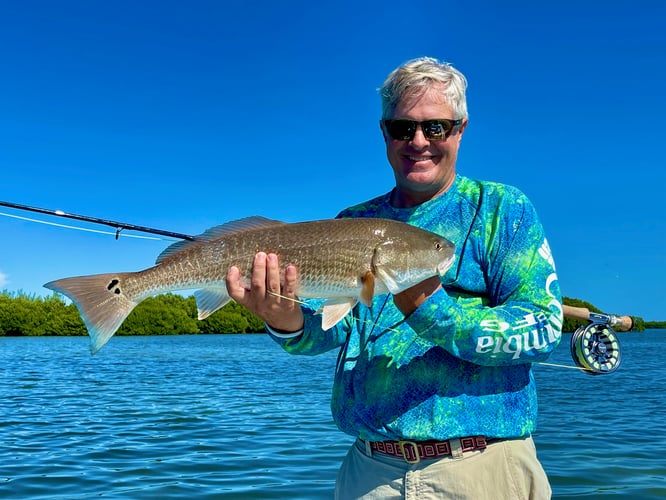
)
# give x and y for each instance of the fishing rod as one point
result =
(595, 347)
(118, 226)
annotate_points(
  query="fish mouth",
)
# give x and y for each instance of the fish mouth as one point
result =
(444, 266)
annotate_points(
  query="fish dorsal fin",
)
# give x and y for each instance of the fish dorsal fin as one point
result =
(235, 226)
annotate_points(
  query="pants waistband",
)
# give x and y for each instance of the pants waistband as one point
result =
(414, 451)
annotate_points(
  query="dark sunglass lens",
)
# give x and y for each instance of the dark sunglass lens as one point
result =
(401, 130)
(436, 129)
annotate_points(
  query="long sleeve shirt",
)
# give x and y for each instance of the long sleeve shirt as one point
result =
(460, 364)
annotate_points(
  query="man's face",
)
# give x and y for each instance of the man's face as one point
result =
(423, 168)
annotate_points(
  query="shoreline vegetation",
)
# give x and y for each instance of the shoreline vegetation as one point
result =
(166, 314)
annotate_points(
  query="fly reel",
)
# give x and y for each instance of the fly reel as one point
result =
(595, 347)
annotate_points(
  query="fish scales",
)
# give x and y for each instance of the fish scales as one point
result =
(328, 261)
(341, 260)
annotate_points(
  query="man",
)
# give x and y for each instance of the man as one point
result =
(435, 382)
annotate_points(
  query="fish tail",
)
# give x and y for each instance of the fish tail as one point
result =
(102, 302)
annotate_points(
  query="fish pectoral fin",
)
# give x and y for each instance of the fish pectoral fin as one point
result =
(210, 300)
(388, 279)
(368, 289)
(333, 310)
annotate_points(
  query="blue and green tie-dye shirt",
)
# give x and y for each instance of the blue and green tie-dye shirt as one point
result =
(460, 365)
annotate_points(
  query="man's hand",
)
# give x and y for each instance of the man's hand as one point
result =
(274, 304)
(413, 297)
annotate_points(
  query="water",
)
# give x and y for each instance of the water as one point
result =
(231, 416)
(603, 436)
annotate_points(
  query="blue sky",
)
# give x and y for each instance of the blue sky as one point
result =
(184, 115)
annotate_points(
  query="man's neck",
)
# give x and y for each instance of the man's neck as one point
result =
(403, 198)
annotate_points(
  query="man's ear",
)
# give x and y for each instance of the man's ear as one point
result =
(381, 127)
(461, 129)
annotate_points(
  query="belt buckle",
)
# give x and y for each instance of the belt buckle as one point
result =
(414, 446)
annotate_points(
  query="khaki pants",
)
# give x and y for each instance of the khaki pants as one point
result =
(505, 470)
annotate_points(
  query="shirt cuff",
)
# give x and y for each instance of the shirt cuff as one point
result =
(283, 335)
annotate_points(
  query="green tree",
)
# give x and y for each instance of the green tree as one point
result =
(60, 318)
(161, 315)
(21, 315)
(571, 325)
(224, 322)
(11, 316)
(254, 323)
(165, 314)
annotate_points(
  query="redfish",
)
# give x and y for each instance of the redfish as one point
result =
(342, 261)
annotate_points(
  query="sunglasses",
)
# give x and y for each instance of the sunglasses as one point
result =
(433, 130)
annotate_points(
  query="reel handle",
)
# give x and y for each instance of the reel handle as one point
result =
(620, 323)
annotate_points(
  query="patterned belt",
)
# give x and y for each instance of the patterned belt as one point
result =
(414, 451)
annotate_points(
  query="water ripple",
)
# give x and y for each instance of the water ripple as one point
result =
(234, 416)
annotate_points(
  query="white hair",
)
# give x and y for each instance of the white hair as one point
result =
(416, 77)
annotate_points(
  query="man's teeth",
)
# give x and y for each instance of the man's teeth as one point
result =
(419, 158)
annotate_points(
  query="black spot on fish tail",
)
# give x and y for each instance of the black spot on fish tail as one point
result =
(112, 285)
(102, 313)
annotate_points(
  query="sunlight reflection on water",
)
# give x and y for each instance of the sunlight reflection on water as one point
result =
(233, 415)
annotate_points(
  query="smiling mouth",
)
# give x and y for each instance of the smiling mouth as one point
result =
(419, 158)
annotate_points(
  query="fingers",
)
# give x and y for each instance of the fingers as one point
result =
(258, 279)
(409, 300)
(290, 282)
(266, 278)
(266, 298)
(265, 281)
(272, 274)
(234, 287)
